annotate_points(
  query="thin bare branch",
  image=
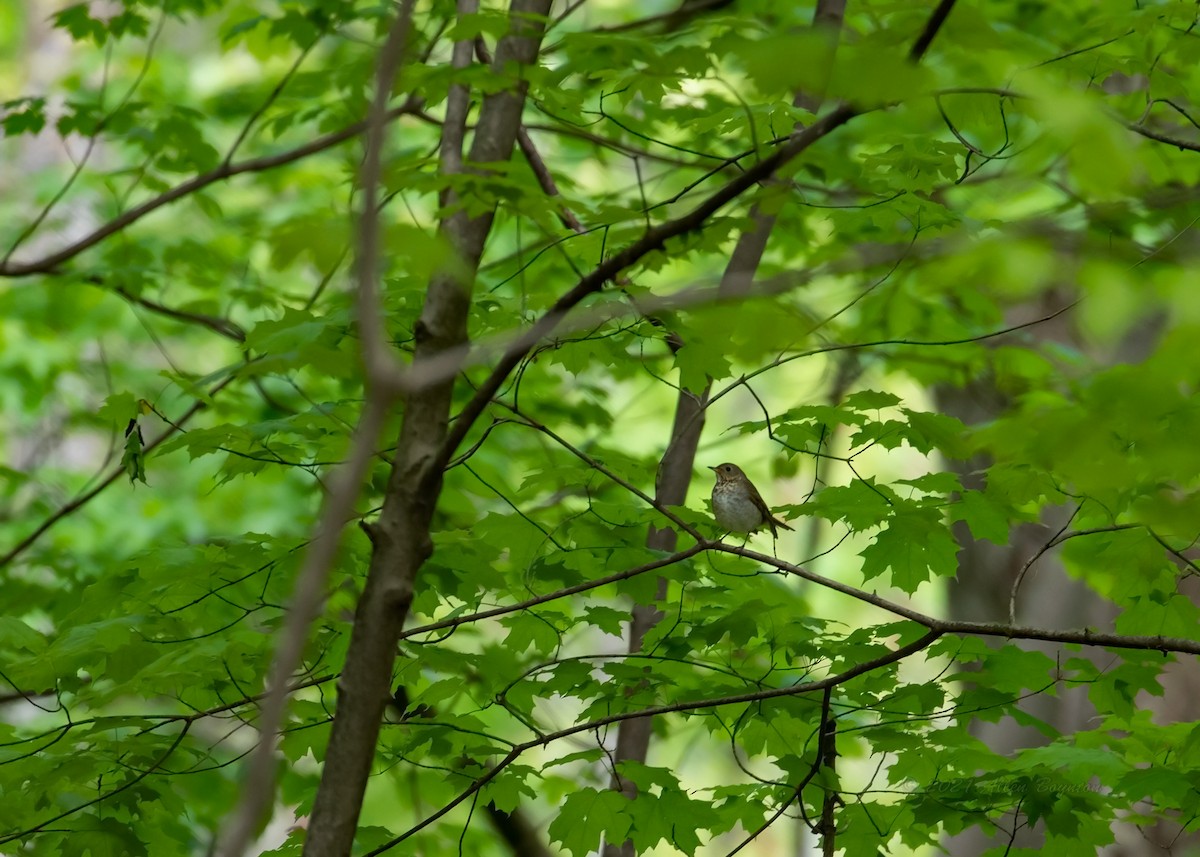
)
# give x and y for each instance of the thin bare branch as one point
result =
(654, 239)
(128, 784)
(271, 98)
(1086, 636)
(36, 223)
(223, 326)
(114, 475)
(50, 262)
(259, 791)
(616, 577)
(891, 657)
(1054, 540)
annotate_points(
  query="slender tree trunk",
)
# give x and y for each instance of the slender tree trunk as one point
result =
(675, 469)
(1048, 598)
(400, 538)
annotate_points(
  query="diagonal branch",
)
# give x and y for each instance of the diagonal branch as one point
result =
(883, 660)
(1086, 636)
(520, 606)
(93, 138)
(222, 326)
(83, 499)
(655, 238)
(50, 262)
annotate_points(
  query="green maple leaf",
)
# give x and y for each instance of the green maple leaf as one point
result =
(588, 814)
(914, 547)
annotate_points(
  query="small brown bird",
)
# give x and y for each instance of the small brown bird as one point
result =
(737, 505)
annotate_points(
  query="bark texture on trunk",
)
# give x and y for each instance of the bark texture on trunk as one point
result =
(675, 469)
(1048, 598)
(401, 539)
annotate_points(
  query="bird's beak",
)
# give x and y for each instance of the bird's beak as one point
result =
(713, 469)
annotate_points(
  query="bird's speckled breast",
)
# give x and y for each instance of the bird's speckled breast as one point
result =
(736, 513)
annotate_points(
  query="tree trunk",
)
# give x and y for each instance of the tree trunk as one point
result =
(401, 540)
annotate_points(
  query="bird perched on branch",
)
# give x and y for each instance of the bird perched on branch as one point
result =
(737, 505)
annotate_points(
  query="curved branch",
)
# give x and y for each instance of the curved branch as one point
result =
(1160, 137)
(654, 239)
(37, 222)
(50, 262)
(1085, 637)
(117, 473)
(616, 577)
(222, 326)
(158, 763)
(899, 654)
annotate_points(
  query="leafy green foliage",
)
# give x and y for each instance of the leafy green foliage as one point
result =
(977, 323)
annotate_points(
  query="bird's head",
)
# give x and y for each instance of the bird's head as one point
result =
(728, 472)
